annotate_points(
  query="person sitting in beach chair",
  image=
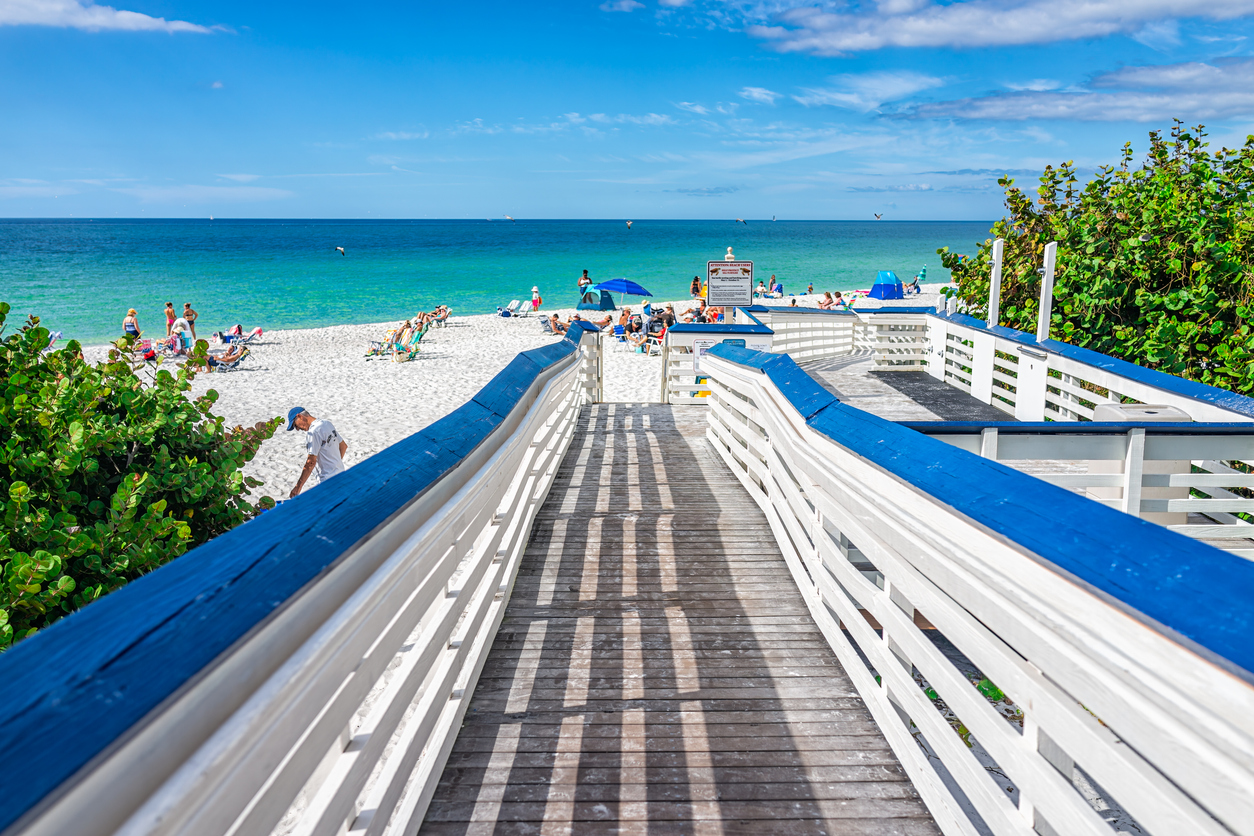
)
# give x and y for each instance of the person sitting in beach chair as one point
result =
(556, 326)
(222, 363)
(760, 290)
(827, 302)
(911, 286)
(442, 313)
(602, 324)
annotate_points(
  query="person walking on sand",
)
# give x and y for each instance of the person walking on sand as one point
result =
(695, 290)
(190, 316)
(170, 316)
(130, 323)
(535, 299)
(323, 446)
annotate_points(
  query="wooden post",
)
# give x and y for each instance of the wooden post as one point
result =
(1047, 292)
(1133, 466)
(994, 283)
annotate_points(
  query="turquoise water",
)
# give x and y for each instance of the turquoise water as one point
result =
(80, 276)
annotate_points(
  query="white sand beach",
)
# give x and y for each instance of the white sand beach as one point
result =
(374, 402)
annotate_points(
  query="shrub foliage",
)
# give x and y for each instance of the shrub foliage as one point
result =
(104, 475)
(1155, 264)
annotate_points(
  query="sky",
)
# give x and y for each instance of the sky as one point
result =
(909, 109)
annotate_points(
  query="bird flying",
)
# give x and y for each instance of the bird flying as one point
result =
(742, 221)
(508, 218)
(629, 224)
(879, 217)
(341, 250)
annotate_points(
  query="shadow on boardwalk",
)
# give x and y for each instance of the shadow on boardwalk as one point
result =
(657, 671)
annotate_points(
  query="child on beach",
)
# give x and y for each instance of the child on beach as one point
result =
(169, 317)
(535, 299)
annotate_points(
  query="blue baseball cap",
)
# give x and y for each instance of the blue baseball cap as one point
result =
(291, 417)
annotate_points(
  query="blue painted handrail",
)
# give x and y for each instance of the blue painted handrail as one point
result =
(1078, 427)
(74, 688)
(1220, 398)
(1197, 593)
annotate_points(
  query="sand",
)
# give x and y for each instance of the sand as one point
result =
(374, 402)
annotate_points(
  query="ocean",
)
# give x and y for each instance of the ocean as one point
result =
(81, 276)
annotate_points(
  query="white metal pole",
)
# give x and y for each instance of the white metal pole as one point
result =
(994, 283)
(1047, 292)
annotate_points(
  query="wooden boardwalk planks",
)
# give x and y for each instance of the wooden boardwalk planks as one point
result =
(657, 671)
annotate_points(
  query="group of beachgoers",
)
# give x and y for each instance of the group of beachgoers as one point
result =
(645, 330)
(180, 337)
(402, 342)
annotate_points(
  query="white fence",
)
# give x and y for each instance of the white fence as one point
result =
(683, 381)
(1183, 481)
(1036, 382)
(1102, 697)
(338, 713)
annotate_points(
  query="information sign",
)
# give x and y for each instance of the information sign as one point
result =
(729, 284)
(702, 344)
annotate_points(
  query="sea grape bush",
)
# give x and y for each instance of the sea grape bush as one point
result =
(1155, 264)
(104, 475)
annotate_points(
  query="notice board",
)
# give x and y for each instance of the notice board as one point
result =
(729, 283)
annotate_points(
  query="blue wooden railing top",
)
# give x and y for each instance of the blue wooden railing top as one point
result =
(74, 688)
(1196, 593)
(1222, 398)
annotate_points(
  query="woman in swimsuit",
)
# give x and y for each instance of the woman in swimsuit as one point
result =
(169, 317)
(190, 316)
(130, 325)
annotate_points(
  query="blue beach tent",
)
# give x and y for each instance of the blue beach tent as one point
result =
(590, 302)
(887, 286)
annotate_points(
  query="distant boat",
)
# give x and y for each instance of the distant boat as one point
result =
(211, 217)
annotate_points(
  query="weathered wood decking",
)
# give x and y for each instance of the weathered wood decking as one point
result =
(657, 671)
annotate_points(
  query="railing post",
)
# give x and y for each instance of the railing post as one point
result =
(1047, 292)
(666, 363)
(983, 354)
(1030, 385)
(994, 284)
(1133, 466)
(937, 335)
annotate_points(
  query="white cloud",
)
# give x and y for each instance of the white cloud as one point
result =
(621, 6)
(674, 4)
(204, 194)
(759, 94)
(1036, 85)
(23, 187)
(217, 85)
(976, 23)
(868, 91)
(1188, 91)
(241, 178)
(905, 187)
(402, 135)
(692, 107)
(83, 14)
(630, 119)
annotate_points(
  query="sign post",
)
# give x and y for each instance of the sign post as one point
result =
(729, 284)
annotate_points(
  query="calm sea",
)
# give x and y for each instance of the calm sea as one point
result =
(80, 276)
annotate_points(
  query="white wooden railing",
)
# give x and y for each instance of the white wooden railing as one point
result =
(1183, 481)
(1038, 381)
(1107, 703)
(337, 714)
(683, 380)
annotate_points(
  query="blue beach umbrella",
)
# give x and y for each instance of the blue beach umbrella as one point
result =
(623, 286)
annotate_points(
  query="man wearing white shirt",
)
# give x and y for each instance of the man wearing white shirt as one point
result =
(323, 446)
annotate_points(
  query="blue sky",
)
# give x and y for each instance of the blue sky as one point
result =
(614, 109)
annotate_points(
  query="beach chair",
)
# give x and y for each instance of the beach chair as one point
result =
(545, 326)
(230, 367)
(442, 319)
(656, 338)
(620, 333)
(407, 351)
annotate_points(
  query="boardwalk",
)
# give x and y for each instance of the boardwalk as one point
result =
(657, 671)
